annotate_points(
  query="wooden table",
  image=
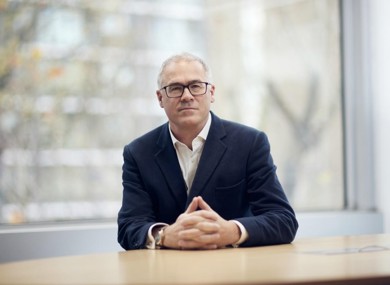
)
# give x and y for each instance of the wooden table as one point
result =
(331, 260)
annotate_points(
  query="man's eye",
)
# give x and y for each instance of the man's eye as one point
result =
(174, 88)
(195, 86)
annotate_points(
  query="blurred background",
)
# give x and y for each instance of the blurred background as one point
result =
(78, 81)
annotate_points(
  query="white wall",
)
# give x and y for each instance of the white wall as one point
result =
(35, 241)
(380, 82)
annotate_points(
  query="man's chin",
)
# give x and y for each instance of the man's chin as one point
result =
(189, 120)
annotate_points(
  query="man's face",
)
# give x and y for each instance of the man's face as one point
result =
(187, 112)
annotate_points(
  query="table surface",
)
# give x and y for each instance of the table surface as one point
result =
(330, 260)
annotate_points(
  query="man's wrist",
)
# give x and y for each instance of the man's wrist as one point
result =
(242, 233)
(153, 230)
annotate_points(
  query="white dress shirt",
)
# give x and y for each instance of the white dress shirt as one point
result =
(189, 159)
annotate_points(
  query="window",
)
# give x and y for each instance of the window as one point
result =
(78, 80)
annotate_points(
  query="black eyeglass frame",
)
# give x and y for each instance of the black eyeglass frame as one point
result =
(184, 87)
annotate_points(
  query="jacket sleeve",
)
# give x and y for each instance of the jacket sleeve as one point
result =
(136, 214)
(273, 220)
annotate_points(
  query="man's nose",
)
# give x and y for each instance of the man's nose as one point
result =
(186, 94)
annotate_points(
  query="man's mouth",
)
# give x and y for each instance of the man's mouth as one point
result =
(186, 108)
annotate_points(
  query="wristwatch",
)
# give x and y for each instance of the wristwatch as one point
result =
(159, 238)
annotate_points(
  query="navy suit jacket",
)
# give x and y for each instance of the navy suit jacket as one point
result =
(236, 177)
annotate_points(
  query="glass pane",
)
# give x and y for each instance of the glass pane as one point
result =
(277, 68)
(78, 80)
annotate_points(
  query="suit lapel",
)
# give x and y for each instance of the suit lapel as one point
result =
(169, 165)
(213, 151)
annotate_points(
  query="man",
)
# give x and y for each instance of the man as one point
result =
(200, 182)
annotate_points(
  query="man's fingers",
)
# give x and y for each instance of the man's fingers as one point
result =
(198, 216)
(199, 229)
(192, 206)
(200, 242)
(198, 202)
(208, 227)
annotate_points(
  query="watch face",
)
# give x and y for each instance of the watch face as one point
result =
(158, 238)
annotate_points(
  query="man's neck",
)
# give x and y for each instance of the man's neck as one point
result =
(187, 136)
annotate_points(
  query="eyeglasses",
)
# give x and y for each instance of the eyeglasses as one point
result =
(176, 90)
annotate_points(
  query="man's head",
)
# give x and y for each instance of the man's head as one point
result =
(182, 57)
(188, 109)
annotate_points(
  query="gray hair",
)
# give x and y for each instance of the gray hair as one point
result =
(182, 57)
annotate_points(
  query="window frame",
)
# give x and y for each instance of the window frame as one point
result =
(357, 106)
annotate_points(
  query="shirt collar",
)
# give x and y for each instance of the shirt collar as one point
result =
(203, 133)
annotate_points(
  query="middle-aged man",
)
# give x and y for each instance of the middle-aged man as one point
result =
(198, 181)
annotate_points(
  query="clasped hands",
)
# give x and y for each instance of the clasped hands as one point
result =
(200, 227)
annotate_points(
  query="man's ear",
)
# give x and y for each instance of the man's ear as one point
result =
(159, 98)
(212, 92)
